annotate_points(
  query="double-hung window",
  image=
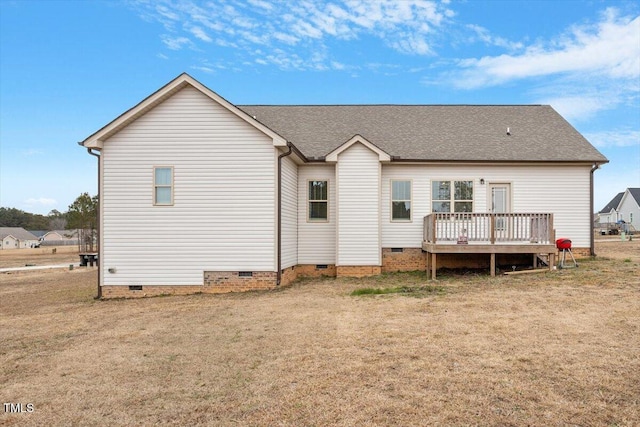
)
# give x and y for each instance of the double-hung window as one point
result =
(400, 200)
(163, 185)
(452, 196)
(318, 201)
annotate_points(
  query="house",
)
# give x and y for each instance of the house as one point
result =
(623, 211)
(629, 208)
(609, 214)
(200, 195)
(17, 238)
(60, 238)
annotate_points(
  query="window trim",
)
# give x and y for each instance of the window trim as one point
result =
(452, 200)
(316, 220)
(156, 186)
(391, 200)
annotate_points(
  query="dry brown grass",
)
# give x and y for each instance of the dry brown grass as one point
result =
(45, 255)
(560, 348)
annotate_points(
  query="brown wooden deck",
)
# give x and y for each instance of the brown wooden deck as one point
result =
(488, 233)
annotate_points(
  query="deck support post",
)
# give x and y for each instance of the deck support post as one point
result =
(493, 264)
(433, 265)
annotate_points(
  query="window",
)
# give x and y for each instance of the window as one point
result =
(318, 200)
(400, 200)
(452, 196)
(163, 185)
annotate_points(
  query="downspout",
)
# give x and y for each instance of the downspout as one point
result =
(279, 272)
(99, 296)
(592, 244)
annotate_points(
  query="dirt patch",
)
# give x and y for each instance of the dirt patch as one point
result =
(559, 348)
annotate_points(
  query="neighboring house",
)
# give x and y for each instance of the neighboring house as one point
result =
(17, 238)
(623, 211)
(609, 214)
(60, 238)
(200, 195)
(629, 208)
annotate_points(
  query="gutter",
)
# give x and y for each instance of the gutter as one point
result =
(288, 153)
(99, 295)
(592, 244)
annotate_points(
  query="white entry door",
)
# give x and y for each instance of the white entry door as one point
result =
(500, 203)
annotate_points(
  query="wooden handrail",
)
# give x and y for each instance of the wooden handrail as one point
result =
(489, 228)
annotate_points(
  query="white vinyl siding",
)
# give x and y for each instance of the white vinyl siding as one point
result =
(223, 215)
(316, 239)
(562, 190)
(629, 210)
(289, 213)
(358, 194)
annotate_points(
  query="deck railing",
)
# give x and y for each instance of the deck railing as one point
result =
(489, 228)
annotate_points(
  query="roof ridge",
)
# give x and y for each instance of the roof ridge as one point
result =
(392, 105)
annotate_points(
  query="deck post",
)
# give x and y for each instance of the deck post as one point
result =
(428, 265)
(493, 264)
(433, 265)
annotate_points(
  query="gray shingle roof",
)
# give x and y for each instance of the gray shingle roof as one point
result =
(613, 204)
(17, 232)
(438, 132)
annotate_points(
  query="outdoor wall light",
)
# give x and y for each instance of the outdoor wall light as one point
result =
(112, 270)
(482, 181)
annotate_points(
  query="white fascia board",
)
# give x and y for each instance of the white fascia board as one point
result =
(96, 139)
(333, 156)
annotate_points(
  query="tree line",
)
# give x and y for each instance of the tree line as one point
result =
(82, 215)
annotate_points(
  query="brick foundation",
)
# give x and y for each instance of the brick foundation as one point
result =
(358, 270)
(410, 259)
(578, 253)
(289, 274)
(312, 270)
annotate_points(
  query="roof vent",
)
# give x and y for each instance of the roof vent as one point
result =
(508, 131)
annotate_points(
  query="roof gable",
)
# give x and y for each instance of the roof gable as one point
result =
(96, 139)
(333, 156)
(635, 193)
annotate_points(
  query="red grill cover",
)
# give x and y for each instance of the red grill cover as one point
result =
(563, 243)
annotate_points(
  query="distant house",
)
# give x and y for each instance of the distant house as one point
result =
(200, 195)
(623, 208)
(629, 208)
(17, 238)
(60, 238)
(609, 214)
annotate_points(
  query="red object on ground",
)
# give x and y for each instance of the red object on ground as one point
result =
(563, 243)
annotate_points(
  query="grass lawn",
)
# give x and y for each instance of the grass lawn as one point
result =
(559, 348)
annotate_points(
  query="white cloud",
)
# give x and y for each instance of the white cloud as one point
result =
(407, 26)
(485, 36)
(609, 48)
(203, 68)
(588, 69)
(40, 201)
(162, 56)
(200, 34)
(614, 138)
(176, 43)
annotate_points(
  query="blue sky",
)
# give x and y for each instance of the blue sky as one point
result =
(69, 67)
